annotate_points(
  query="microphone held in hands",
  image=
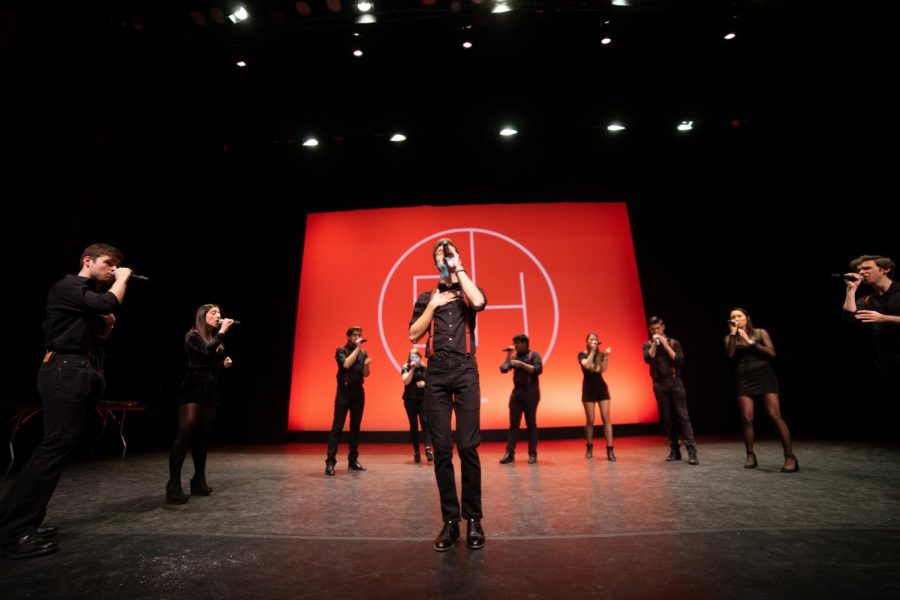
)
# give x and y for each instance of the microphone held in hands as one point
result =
(844, 276)
(140, 277)
(508, 349)
(219, 324)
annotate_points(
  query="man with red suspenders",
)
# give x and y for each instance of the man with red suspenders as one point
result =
(448, 316)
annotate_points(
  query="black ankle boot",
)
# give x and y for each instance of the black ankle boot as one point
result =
(674, 454)
(590, 451)
(417, 457)
(429, 455)
(174, 493)
(199, 487)
(610, 455)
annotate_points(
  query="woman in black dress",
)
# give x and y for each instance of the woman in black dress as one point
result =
(412, 373)
(198, 399)
(594, 391)
(752, 351)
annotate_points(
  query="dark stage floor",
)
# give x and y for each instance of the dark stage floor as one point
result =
(276, 527)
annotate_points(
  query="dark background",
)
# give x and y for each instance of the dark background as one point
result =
(128, 123)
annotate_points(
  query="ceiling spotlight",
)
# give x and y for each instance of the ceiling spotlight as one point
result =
(620, 3)
(310, 142)
(357, 53)
(398, 137)
(501, 6)
(730, 35)
(365, 6)
(467, 44)
(239, 15)
(614, 127)
(241, 63)
(365, 19)
(508, 131)
(606, 40)
(685, 126)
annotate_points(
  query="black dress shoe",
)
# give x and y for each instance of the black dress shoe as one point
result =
(28, 545)
(674, 454)
(199, 487)
(417, 457)
(508, 458)
(474, 534)
(532, 458)
(429, 455)
(329, 470)
(448, 536)
(47, 532)
(355, 466)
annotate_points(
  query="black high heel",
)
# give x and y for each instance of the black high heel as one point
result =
(199, 487)
(590, 451)
(174, 493)
(610, 455)
(796, 465)
(752, 465)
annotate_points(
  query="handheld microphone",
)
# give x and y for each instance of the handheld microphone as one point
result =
(846, 277)
(362, 341)
(140, 277)
(445, 272)
(657, 341)
(219, 324)
(508, 349)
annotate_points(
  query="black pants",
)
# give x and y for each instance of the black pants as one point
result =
(352, 400)
(453, 386)
(69, 385)
(672, 401)
(415, 412)
(523, 401)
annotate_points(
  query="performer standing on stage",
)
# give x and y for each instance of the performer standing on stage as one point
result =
(880, 311)
(665, 357)
(594, 391)
(752, 351)
(448, 316)
(413, 375)
(198, 399)
(526, 394)
(70, 380)
(353, 367)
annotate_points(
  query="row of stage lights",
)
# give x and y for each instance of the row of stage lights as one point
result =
(509, 132)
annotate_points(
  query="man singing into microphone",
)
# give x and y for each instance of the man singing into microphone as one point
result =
(526, 367)
(665, 357)
(448, 316)
(353, 367)
(70, 380)
(879, 310)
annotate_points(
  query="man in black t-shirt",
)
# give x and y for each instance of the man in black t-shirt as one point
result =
(353, 367)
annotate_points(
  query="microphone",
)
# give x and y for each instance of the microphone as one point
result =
(657, 341)
(140, 277)
(445, 272)
(845, 277)
(219, 324)
(508, 349)
(362, 341)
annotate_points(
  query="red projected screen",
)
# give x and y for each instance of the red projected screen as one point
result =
(552, 271)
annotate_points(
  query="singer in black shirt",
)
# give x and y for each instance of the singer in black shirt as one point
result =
(353, 367)
(447, 315)
(666, 359)
(198, 399)
(879, 311)
(526, 367)
(70, 380)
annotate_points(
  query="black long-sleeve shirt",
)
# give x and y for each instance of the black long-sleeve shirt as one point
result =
(663, 366)
(75, 310)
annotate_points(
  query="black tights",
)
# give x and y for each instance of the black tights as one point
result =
(194, 422)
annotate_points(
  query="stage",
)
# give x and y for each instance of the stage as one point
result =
(277, 527)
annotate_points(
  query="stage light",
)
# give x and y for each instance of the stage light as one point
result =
(365, 19)
(614, 127)
(310, 142)
(239, 15)
(398, 137)
(501, 6)
(685, 126)
(508, 132)
(241, 63)
(365, 6)
(730, 35)
(467, 45)
(357, 53)
(606, 40)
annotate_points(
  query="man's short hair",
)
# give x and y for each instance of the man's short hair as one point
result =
(654, 320)
(354, 329)
(521, 339)
(883, 262)
(95, 251)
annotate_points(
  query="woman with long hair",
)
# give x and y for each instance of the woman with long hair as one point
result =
(752, 351)
(198, 399)
(594, 391)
